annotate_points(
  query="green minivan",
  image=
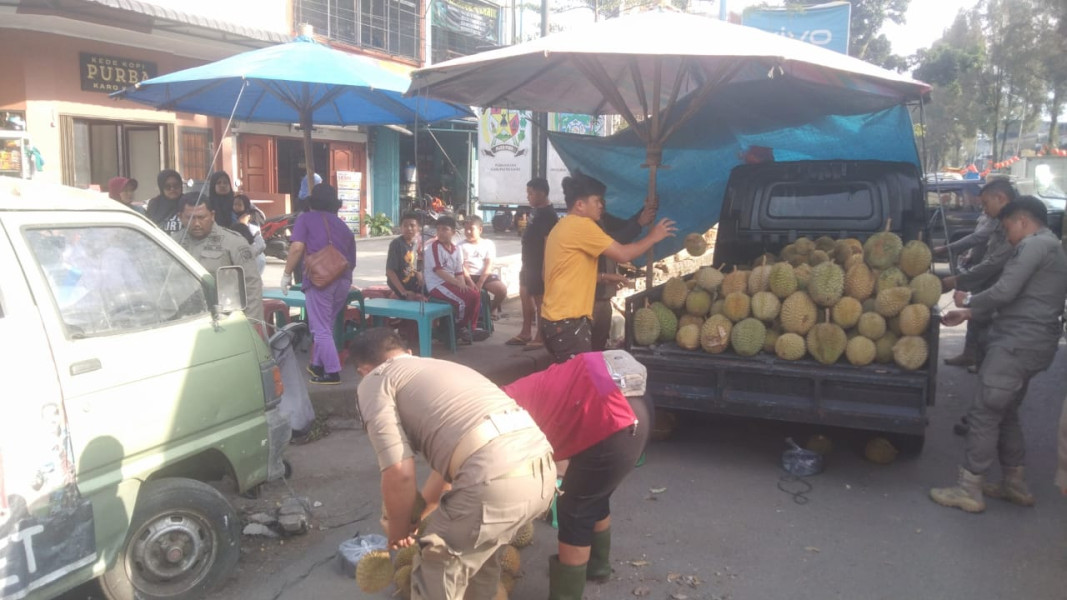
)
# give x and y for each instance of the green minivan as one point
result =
(130, 378)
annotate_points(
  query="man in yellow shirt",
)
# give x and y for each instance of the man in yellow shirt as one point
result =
(571, 253)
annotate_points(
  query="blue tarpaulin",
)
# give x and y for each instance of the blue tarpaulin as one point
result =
(700, 155)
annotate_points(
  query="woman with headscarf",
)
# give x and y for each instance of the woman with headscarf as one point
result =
(163, 210)
(220, 193)
(121, 189)
(313, 231)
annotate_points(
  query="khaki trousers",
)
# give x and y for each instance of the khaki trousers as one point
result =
(995, 433)
(458, 558)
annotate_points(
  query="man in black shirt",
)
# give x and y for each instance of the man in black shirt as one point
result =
(531, 277)
(402, 268)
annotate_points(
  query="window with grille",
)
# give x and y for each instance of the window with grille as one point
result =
(195, 153)
(388, 26)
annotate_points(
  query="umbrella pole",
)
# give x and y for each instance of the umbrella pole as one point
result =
(653, 156)
(309, 156)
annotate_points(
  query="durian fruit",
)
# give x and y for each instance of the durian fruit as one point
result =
(871, 325)
(827, 284)
(747, 337)
(646, 326)
(715, 334)
(405, 556)
(688, 337)
(790, 346)
(402, 579)
(859, 282)
(799, 259)
(688, 319)
(820, 443)
(508, 581)
(818, 257)
(915, 258)
(759, 279)
(846, 313)
(375, 571)
(509, 560)
(690, 284)
(884, 347)
(765, 306)
(890, 278)
(804, 246)
(765, 259)
(716, 307)
(860, 351)
(826, 342)
(891, 301)
(523, 537)
(798, 313)
(783, 280)
(910, 352)
(803, 273)
(737, 306)
(698, 302)
(734, 281)
(674, 293)
(882, 250)
(880, 451)
(668, 323)
(914, 319)
(855, 259)
(846, 249)
(926, 289)
(709, 279)
(826, 244)
(788, 254)
(695, 244)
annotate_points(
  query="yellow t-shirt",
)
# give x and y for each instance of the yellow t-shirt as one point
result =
(571, 253)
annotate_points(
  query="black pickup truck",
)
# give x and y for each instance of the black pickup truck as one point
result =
(766, 207)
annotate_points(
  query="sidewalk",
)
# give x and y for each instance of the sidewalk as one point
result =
(492, 358)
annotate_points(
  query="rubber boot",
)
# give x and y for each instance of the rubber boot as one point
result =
(966, 495)
(565, 582)
(599, 569)
(1012, 488)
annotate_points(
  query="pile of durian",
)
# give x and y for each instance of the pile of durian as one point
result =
(376, 570)
(828, 299)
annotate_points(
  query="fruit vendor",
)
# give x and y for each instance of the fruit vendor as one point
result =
(1025, 305)
(609, 281)
(475, 438)
(571, 253)
(593, 411)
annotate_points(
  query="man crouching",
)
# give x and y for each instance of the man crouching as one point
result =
(475, 438)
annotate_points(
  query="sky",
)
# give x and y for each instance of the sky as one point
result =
(926, 21)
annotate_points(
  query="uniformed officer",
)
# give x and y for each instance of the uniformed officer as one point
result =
(215, 247)
(1025, 304)
(475, 438)
(994, 196)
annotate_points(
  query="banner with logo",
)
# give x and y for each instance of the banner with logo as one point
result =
(505, 152)
(825, 25)
(479, 20)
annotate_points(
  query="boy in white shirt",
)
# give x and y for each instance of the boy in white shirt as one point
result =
(478, 256)
(447, 279)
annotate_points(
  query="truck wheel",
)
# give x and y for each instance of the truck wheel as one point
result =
(184, 538)
(909, 445)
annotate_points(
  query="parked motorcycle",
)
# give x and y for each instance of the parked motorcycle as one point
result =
(275, 232)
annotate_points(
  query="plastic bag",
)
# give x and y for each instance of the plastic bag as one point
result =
(296, 403)
(352, 550)
(800, 462)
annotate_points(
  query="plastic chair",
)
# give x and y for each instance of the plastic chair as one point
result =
(350, 321)
(485, 319)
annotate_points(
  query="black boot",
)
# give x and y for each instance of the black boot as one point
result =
(565, 582)
(599, 566)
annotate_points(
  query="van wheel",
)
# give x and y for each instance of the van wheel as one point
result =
(184, 538)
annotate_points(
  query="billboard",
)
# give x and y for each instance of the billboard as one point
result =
(825, 25)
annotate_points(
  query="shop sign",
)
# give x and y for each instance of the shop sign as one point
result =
(110, 73)
(476, 19)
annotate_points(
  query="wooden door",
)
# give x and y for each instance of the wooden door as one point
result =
(348, 156)
(257, 163)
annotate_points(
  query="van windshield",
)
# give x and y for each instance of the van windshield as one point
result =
(109, 279)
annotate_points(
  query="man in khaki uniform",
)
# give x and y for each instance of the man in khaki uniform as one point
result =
(215, 247)
(475, 438)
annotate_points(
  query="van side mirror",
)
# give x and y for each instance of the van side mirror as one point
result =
(230, 283)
